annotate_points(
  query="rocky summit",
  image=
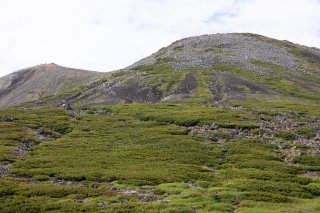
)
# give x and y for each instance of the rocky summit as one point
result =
(213, 123)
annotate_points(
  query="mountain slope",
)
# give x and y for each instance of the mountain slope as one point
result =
(216, 123)
(37, 82)
(203, 69)
(214, 68)
(161, 158)
(233, 66)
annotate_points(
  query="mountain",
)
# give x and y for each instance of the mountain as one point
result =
(41, 81)
(207, 69)
(214, 123)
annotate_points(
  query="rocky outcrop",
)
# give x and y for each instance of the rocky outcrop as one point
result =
(207, 50)
(290, 138)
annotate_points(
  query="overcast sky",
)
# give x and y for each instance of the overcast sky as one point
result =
(105, 35)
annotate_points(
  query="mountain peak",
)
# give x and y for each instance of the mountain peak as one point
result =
(231, 48)
(50, 65)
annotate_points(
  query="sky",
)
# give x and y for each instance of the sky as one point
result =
(105, 35)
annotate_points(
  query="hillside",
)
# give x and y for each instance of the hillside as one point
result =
(204, 69)
(41, 81)
(221, 67)
(214, 123)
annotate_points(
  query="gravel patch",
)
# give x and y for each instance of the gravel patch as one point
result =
(207, 50)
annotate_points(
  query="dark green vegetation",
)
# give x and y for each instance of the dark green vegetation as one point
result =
(151, 158)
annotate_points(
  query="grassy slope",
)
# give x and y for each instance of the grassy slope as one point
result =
(147, 149)
(116, 161)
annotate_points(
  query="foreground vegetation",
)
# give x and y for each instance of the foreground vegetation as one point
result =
(156, 158)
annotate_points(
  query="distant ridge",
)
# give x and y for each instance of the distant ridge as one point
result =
(40, 81)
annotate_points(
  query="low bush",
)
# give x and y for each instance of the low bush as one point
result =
(310, 160)
(286, 135)
(306, 132)
(215, 136)
(313, 188)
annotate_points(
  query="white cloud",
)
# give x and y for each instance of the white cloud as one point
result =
(106, 35)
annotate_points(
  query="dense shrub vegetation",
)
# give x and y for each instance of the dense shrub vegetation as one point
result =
(143, 158)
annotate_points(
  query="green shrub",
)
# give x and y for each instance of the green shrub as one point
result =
(6, 191)
(187, 122)
(72, 177)
(171, 188)
(313, 188)
(230, 196)
(286, 135)
(267, 197)
(205, 184)
(178, 48)
(257, 131)
(310, 160)
(221, 207)
(215, 136)
(237, 125)
(165, 60)
(307, 132)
